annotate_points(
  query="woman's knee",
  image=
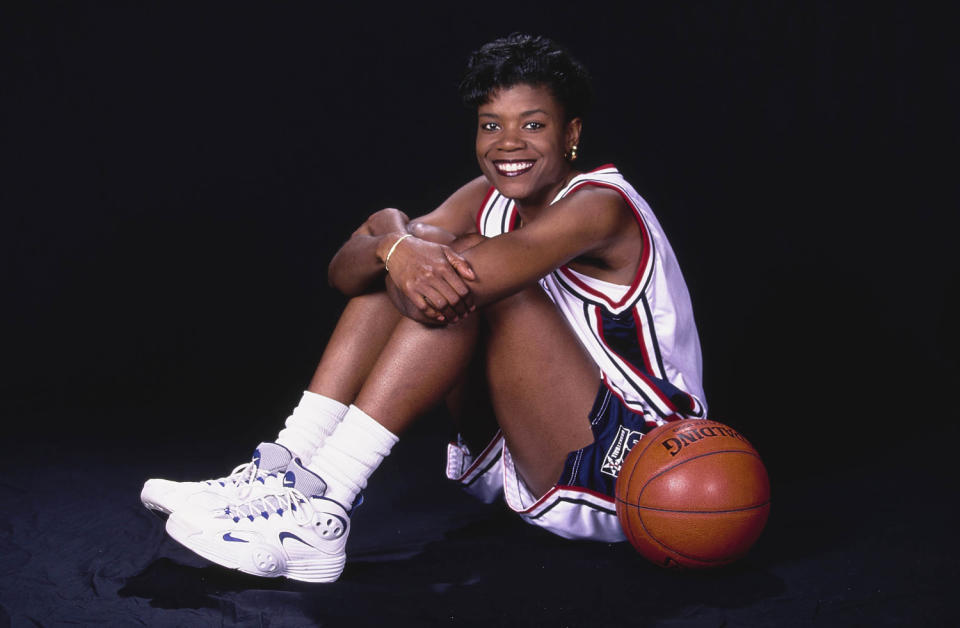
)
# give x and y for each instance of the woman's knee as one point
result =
(530, 303)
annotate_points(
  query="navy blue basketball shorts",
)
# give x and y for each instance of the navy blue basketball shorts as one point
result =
(581, 505)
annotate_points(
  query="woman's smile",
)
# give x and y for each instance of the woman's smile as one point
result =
(522, 139)
(509, 168)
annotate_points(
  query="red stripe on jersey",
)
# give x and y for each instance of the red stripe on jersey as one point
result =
(514, 217)
(483, 206)
(486, 199)
(484, 455)
(650, 423)
(656, 390)
(583, 286)
(540, 503)
(696, 408)
(645, 255)
(582, 489)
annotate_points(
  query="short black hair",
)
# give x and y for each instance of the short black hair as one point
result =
(526, 59)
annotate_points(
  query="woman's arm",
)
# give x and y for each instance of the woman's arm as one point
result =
(429, 273)
(590, 221)
(357, 267)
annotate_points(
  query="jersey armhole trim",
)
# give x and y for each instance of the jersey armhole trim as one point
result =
(644, 268)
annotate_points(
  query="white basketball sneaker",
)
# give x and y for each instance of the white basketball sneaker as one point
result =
(265, 469)
(290, 531)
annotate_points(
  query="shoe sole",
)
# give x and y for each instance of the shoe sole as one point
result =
(152, 505)
(263, 560)
(157, 510)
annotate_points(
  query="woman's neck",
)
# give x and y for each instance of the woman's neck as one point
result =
(529, 209)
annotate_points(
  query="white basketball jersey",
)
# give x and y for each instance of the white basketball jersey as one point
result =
(642, 336)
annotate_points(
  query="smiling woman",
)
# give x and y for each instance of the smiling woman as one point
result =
(547, 296)
(523, 130)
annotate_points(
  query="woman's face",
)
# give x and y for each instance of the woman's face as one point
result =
(521, 141)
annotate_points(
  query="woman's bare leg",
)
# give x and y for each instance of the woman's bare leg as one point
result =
(360, 335)
(542, 381)
(470, 406)
(543, 384)
(417, 368)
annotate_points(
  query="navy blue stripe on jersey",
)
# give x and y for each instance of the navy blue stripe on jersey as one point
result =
(488, 213)
(481, 472)
(618, 336)
(687, 404)
(570, 500)
(585, 297)
(506, 218)
(647, 321)
(592, 314)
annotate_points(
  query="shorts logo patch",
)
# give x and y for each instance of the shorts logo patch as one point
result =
(622, 443)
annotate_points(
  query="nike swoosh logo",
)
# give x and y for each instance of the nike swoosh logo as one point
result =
(230, 537)
(287, 535)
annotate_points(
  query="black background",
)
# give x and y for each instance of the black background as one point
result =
(176, 176)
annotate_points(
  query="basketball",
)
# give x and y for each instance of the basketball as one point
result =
(693, 494)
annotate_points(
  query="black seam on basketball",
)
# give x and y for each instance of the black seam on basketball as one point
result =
(645, 442)
(702, 512)
(670, 549)
(695, 512)
(658, 541)
(697, 457)
(633, 530)
(648, 442)
(639, 518)
(678, 552)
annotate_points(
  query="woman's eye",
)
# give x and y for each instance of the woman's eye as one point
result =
(489, 126)
(533, 126)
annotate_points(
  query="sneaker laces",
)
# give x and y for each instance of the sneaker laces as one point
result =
(278, 502)
(242, 476)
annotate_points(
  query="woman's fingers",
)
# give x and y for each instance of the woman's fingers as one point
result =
(432, 279)
(460, 264)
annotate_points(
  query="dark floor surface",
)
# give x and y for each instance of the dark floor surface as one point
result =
(873, 544)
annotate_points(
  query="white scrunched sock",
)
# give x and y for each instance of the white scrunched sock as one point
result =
(351, 454)
(312, 421)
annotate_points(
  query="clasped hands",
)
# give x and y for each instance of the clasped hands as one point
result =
(432, 278)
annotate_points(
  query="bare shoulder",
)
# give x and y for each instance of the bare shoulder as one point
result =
(457, 214)
(469, 196)
(607, 209)
(597, 196)
(617, 239)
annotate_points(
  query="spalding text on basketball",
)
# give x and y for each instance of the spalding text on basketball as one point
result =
(689, 437)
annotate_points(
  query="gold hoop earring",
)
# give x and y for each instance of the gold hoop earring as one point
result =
(572, 153)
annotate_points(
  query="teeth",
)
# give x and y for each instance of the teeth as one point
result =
(513, 167)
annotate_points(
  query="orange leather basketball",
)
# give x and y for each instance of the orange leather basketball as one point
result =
(693, 494)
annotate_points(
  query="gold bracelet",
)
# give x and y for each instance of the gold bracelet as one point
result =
(386, 260)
